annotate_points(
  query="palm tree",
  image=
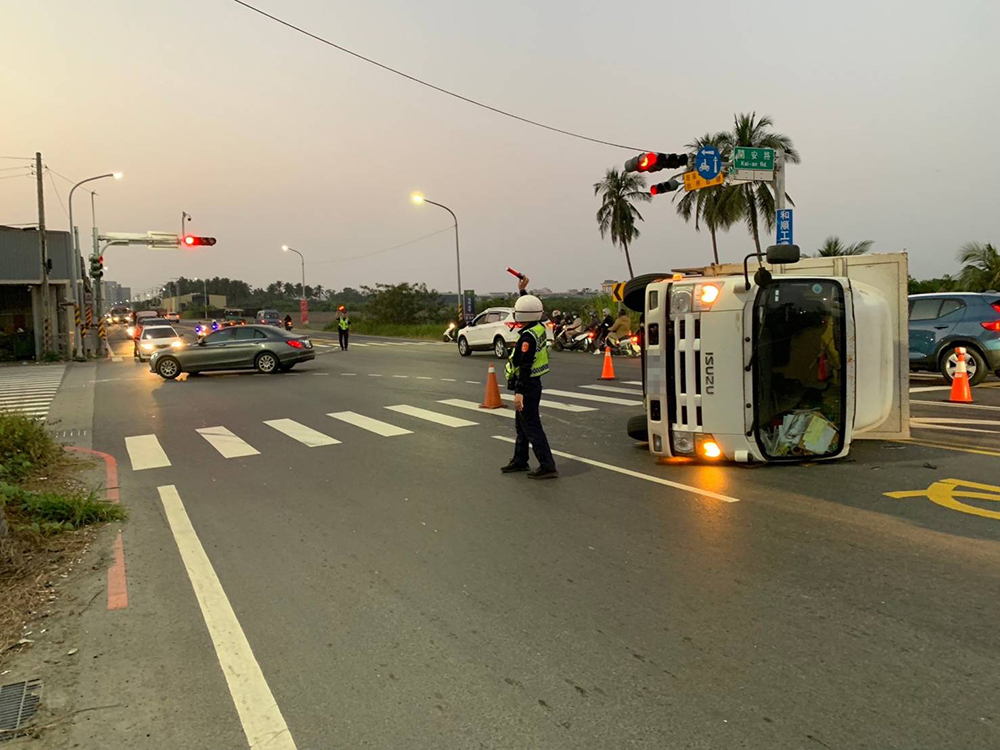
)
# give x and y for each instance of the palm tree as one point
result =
(617, 215)
(832, 247)
(717, 207)
(757, 198)
(981, 266)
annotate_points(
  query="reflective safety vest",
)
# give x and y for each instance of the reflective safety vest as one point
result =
(343, 323)
(540, 365)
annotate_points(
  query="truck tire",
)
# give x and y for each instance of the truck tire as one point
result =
(638, 428)
(634, 295)
(974, 361)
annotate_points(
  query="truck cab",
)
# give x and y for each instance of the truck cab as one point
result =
(784, 367)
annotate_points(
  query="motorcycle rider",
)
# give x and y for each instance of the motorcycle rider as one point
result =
(621, 328)
(288, 322)
(602, 329)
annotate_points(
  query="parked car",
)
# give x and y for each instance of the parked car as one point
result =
(173, 317)
(942, 321)
(263, 348)
(493, 329)
(153, 339)
(268, 318)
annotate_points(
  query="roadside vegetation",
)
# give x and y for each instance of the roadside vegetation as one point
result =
(44, 512)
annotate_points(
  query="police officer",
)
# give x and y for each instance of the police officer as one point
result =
(343, 327)
(528, 362)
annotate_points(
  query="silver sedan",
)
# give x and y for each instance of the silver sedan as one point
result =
(263, 348)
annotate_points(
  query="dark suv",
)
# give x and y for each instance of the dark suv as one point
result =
(941, 321)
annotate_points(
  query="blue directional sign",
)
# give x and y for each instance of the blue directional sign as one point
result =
(469, 305)
(783, 223)
(708, 162)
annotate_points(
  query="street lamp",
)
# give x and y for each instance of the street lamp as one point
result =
(419, 199)
(74, 265)
(185, 217)
(288, 249)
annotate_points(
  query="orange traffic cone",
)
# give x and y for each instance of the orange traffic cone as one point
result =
(608, 372)
(961, 393)
(492, 398)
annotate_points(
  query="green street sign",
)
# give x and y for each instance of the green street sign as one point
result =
(746, 157)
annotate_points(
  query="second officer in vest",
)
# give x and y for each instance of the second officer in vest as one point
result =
(528, 363)
(343, 327)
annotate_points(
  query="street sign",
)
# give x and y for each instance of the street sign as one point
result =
(469, 305)
(743, 176)
(618, 292)
(304, 310)
(708, 163)
(692, 181)
(784, 224)
(746, 157)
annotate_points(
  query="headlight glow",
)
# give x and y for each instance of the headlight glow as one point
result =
(147, 346)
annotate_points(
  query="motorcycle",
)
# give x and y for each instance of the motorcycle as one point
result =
(201, 330)
(215, 325)
(288, 325)
(574, 342)
(626, 346)
(449, 333)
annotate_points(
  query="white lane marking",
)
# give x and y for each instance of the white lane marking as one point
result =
(960, 406)
(262, 722)
(928, 388)
(355, 343)
(949, 428)
(614, 389)
(631, 382)
(593, 397)
(449, 380)
(32, 399)
(473, 406)
(424, 377)
(297, 431)
(401, 376)
(348, 374)
(117, 359)
(376, 344)
(145, 452)
(638, 475)
(474, 382)
(954, 420)
(43, 389)
(374, 375)
(228, 444)
(367, 423)
(576, 408)
(431, 416)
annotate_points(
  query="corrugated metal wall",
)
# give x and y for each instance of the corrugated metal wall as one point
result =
(20, 258)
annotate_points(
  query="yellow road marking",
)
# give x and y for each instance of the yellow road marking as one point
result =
(945, 492)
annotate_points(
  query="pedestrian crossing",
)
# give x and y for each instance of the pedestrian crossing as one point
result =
(30, 389)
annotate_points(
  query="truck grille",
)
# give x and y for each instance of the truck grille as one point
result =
(686, 412)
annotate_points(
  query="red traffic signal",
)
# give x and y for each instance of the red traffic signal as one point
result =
(191, 240)
(664, 187)
(654, 162)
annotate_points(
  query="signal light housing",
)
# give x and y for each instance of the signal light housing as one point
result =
(654, 162)
(190, 240)
(96, 266)
(664, 187)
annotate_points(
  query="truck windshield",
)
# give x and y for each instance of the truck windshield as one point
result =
(799, 368)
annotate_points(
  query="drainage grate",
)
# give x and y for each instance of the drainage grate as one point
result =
(18, 704)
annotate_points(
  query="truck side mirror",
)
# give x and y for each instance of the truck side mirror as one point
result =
(779, 254)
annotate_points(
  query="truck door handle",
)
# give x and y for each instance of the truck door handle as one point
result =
(940, 328)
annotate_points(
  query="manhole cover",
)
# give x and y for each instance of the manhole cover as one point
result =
(18, 703)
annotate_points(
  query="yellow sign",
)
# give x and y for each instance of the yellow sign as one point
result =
(618, 292)
(946, 492)
(694, 181)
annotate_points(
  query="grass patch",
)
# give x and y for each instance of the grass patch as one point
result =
(400, 330)
(49, 513)
(25, 447)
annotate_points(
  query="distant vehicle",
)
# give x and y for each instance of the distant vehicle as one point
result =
(233, 316)
(135, 331)
(269, 318)
(942, 321)
(493, 329)
(263, 348)
(119, 314)
(173, 317)
(154, 338)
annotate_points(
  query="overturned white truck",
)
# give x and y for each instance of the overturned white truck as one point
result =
(788, 363)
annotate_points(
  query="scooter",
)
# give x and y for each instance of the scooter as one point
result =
(288, 325)
(575, 342)
(449, 333)
(201, 330)
(626, 346)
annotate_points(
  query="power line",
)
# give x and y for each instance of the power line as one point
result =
(70, 181)
(52, 181)
(12, 176)
(11, 169)
(23, 158)
(431, 85)
(384, 249)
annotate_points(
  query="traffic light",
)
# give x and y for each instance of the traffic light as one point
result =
(96, 266)
(664, 187)
(191, 240)
(653, 162)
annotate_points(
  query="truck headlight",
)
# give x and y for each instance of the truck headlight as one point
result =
(680, 301)
(708, 448)
(705, 295)
(683, 442)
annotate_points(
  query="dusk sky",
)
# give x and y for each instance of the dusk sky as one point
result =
(267, 137)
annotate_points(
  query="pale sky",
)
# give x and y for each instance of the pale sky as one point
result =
(267, 137)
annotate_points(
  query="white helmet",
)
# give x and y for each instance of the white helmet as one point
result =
(528, 309)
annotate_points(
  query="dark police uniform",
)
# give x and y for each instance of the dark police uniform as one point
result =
(527, 364)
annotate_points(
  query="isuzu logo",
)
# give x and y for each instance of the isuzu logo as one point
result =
(709, 368)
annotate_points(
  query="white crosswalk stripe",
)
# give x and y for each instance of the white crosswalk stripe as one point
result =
(30, 390)
(614, 389)
(145, 452)
(305, 435)
(594, 397)
(367, 423)
(228, 444)
(576, 408)
(431, 416)
(472, 405)
(631, 382)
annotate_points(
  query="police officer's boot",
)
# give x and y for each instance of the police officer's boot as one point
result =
(514, 466)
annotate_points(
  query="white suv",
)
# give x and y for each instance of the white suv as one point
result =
(494, 329)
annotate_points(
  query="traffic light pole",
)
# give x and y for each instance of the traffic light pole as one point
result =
(779, 180)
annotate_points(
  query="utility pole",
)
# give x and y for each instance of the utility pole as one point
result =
(44, 251)
(779, 180)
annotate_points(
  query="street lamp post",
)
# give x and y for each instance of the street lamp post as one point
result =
(288, 249)
(75, 264)
(418, 199)
(185, 217)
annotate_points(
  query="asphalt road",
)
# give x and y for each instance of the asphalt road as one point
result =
(397, 591)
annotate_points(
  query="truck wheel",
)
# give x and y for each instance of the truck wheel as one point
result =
(499, 347)
(974, 363)
(463, 347)
(638, 428)
(634, 294)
